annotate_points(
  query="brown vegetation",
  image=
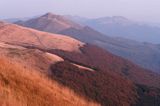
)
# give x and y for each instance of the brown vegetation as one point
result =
(105, 88)
(108, 68)
(98, 59)
(21, 87)
(148, 96)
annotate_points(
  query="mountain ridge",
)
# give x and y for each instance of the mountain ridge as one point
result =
(119, 26)
(143, 54)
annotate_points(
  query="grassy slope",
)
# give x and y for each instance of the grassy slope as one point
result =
(21, 87)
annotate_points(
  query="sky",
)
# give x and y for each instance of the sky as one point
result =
(138, 10)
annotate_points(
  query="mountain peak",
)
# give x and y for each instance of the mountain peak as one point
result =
(49, 14)
(120, 19)
(50, 22)
(114, 20)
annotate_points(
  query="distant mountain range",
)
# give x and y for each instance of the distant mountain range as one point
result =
(118, 26)
(12, 20)
(146, 55)
(36, 63)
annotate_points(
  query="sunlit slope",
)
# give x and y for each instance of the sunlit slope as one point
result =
(22, 87)
(15, 34)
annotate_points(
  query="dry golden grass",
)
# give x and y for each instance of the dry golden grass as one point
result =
(34, 59)
(18, 35)
(22, 87)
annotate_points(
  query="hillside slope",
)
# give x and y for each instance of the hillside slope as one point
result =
(89, 71)
(144, 54)
(19, 87)
(15, 34)
(147, 83)
(30, 51)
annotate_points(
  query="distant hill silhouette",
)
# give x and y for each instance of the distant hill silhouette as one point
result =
(118, 26)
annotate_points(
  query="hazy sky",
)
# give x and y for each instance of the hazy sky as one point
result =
(142, 10)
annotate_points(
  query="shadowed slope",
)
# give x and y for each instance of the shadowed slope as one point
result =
(108, 89)
(108, 67)
(98, 58)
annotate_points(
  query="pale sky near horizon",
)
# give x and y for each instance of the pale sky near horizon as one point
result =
(138, 10)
